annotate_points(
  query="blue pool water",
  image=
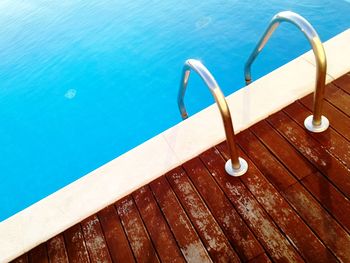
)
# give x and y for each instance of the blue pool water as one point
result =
(82, 82)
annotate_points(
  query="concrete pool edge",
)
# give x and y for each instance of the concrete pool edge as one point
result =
(169, 149)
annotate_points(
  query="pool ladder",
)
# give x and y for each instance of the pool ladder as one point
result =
(315, 122)
(237, 166)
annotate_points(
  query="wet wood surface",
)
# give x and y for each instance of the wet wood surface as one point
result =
(56, 250)
(75, 245)
(291, 206)
(115, 236)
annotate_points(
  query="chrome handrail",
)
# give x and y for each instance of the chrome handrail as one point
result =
(236, 166)
(315, 122)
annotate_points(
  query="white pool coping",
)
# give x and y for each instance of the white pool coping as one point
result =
(146, 162)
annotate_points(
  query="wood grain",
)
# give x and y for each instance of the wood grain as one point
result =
(162, 238)
(136, 232)
(237, 232)
(95, 241)
(282, 213)
(187, 238)
(75, 244)
(208, 229)
(268, 234)
(56, 250)
(115, 236)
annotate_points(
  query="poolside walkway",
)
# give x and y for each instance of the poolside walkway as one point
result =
(292, 205)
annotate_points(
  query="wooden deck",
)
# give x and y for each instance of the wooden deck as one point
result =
(292, 205)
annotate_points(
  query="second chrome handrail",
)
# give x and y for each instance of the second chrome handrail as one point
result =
(236, 166)
(315, 122)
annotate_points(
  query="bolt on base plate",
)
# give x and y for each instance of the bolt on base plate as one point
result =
(236, 172)
(316, 128)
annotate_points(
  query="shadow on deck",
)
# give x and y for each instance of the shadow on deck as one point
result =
(292, 205)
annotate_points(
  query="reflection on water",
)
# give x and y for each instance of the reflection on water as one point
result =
(70, 94)
(203, 22)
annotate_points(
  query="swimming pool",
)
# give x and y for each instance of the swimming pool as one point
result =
(81, 83)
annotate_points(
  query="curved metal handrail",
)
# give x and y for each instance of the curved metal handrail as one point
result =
(315, 122)
(236, 166)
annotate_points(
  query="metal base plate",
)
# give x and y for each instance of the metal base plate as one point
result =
(319, 128)
(236, 172)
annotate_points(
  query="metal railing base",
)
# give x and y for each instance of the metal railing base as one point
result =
(310, 126)
(236, 172)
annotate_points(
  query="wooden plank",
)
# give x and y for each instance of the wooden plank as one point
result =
(208, 229)
(138, 237)
(75, 245)
(333, 142)
(157, 227)
(283, 150)
(302, 237)
(94, 239)
(336, 204)
(235, 229)
(56, 250)
(320, 188)
(343, 82)
(186, 236)
(38, 254)
(276, 245)
(266, 162)
(22, 259)
(313, 151)
(338, 120)
(338, 98)
(262, 258)
(116, 239)
(326, 227)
